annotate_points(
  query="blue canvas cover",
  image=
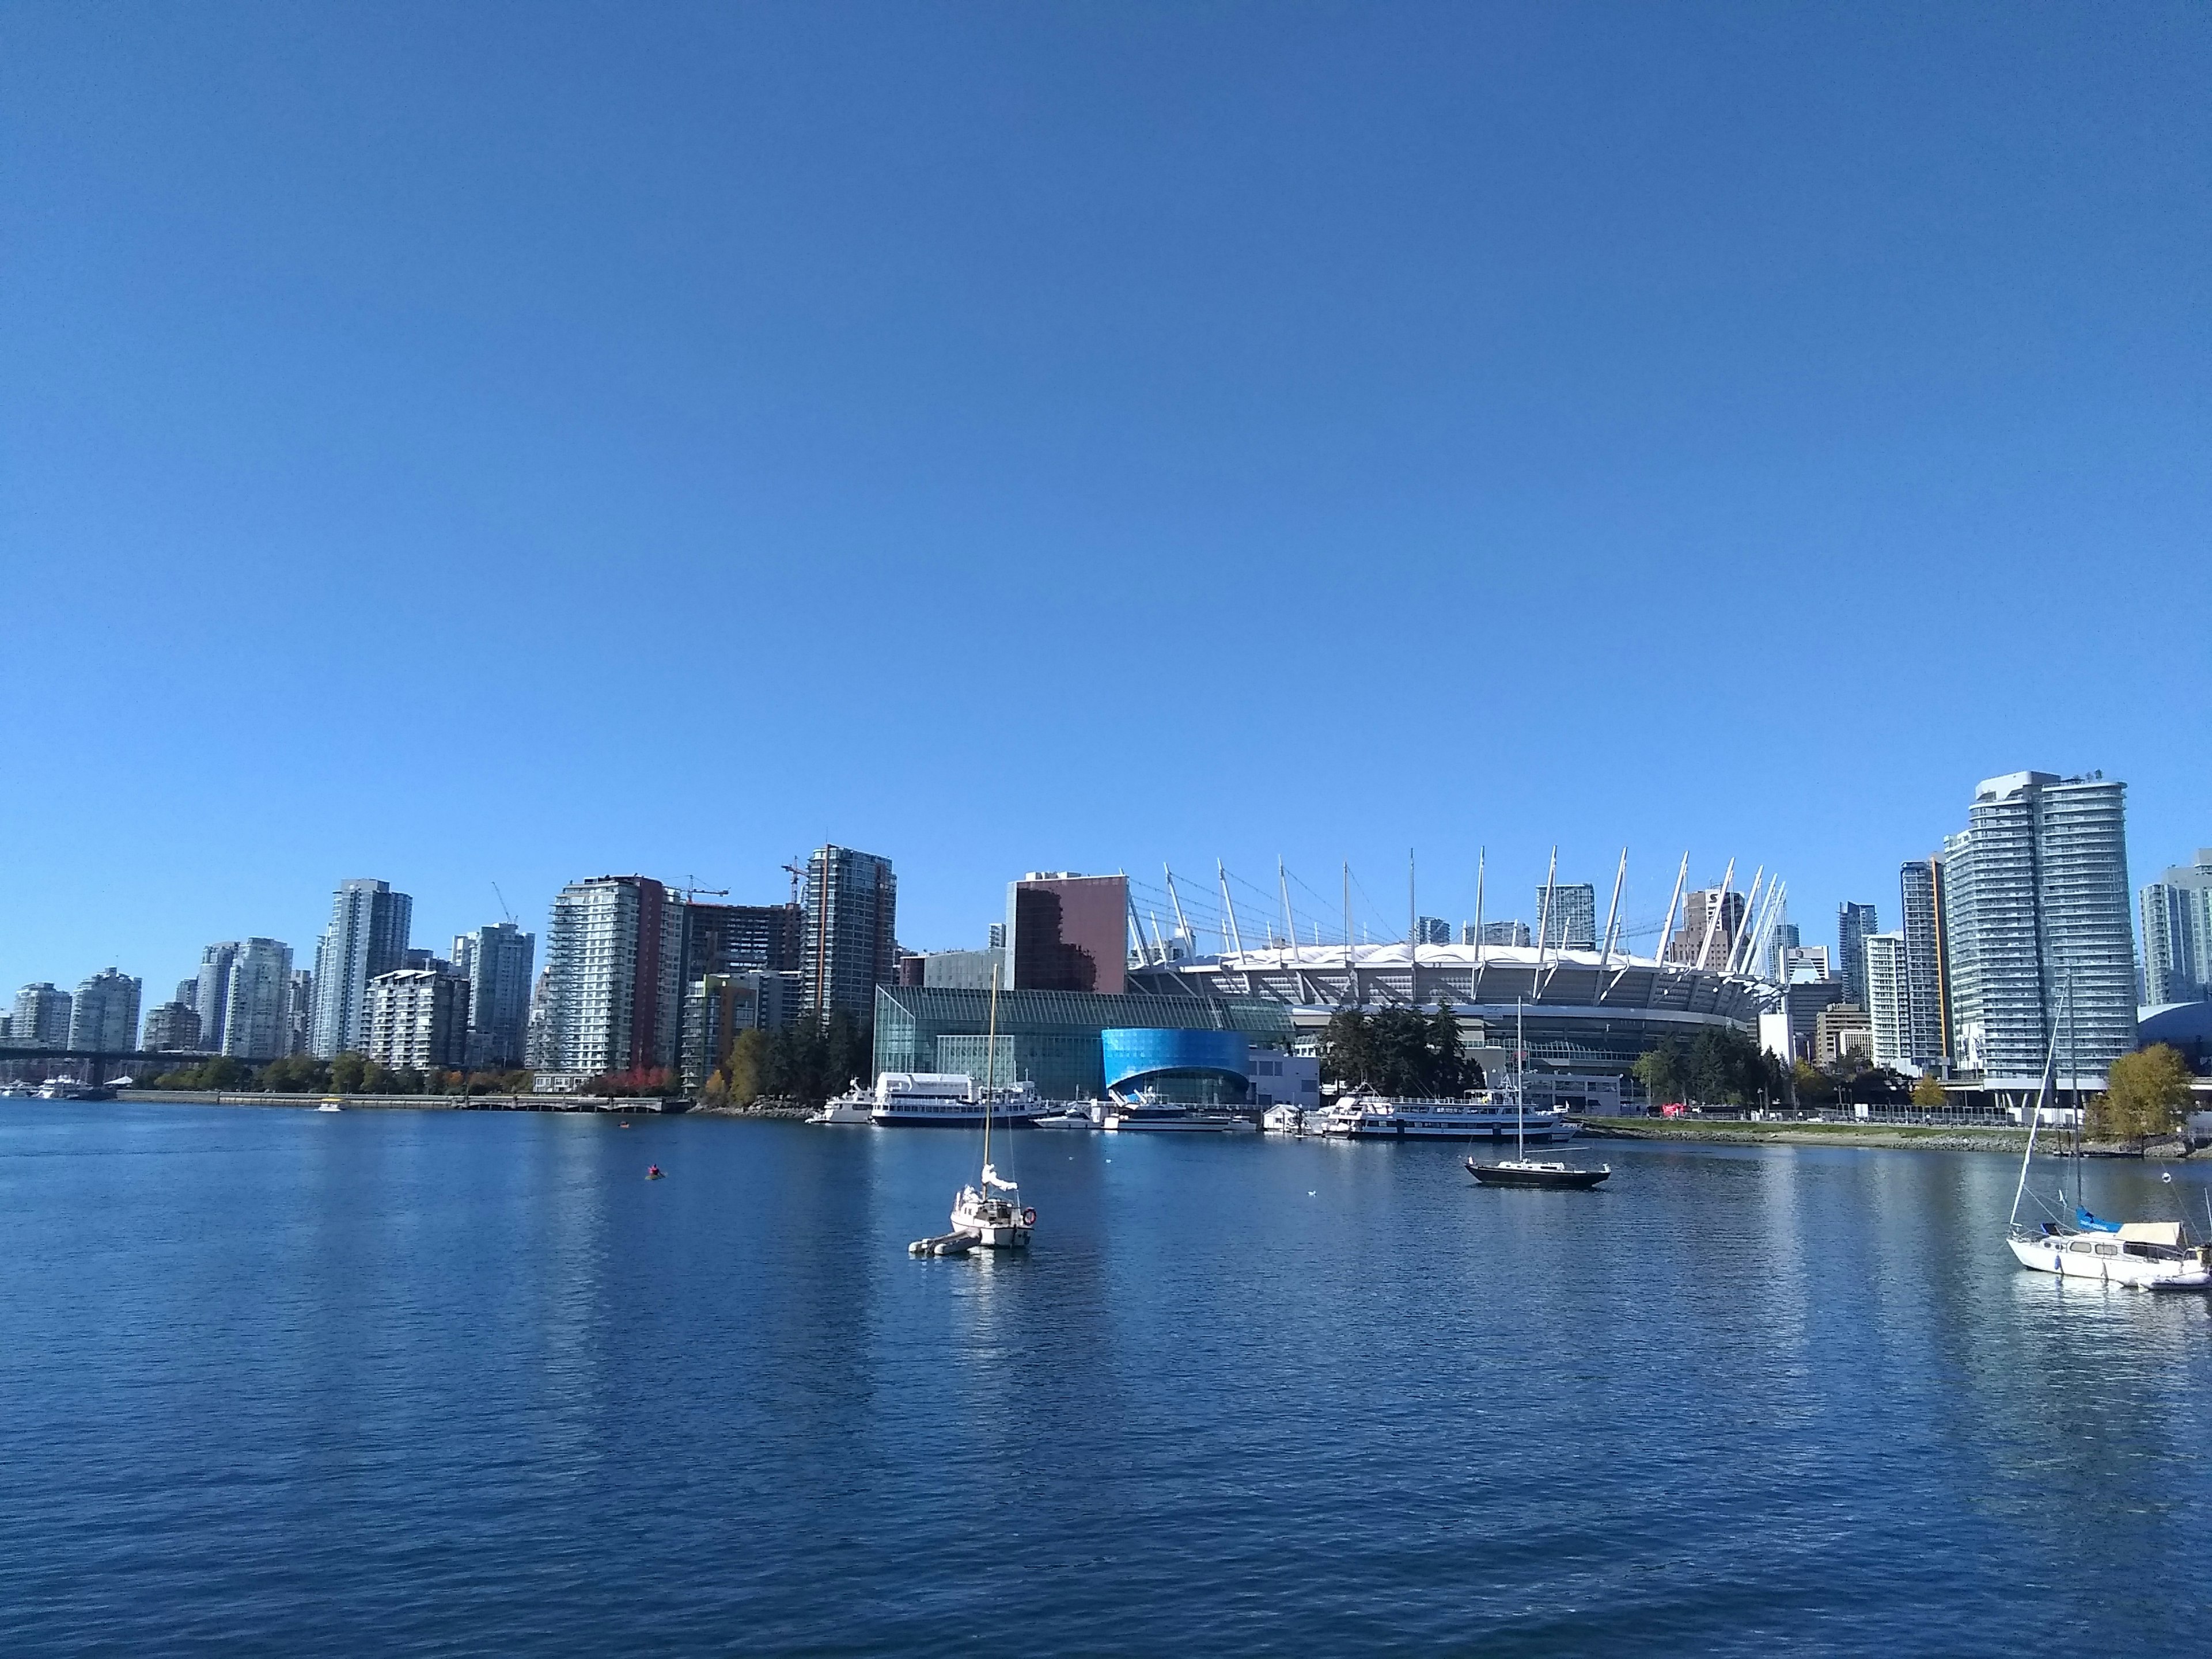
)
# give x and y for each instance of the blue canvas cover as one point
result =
(2089, 1224)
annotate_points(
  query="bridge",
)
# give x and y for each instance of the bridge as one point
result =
(100, 1062)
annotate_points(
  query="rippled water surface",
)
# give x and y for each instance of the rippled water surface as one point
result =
(278, 1380)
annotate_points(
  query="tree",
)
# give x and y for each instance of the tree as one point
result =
(1814, 1087)
(748, 1065)
(2144, 1095)
(295, 1074)
(1928, 1091)
(1347, 1049)
(1663, 1074)
(1721, 1065)
(349, 1073)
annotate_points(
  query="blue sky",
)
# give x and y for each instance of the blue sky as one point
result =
(512, 443)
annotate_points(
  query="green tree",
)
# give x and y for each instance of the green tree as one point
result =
(1928, 1091)
(1814, 1087)
(1347, 1049)
(2145, 1093)
(350, 1074)
(748, 1066)
(295, 1074)
(1662, 1070)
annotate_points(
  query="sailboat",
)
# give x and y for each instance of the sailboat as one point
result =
(991, 1212)
(1520, 1169)
(2144, 1255)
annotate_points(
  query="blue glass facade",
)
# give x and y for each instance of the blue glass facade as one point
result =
(1178, 1063)
(1054, 1038)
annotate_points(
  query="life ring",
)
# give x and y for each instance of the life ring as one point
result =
(1029, 1217)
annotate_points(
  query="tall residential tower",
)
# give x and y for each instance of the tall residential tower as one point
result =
(2036, 929)
(367, 936)
(852, 938)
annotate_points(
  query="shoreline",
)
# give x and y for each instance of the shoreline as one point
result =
(1894, 1137)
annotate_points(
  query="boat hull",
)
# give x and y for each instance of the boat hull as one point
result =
(1536, 1134)
(895, 1117)
(1169, 1125)
(1493, 1175)
(2053, 1255)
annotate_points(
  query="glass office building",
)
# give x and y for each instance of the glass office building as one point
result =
(1052, 1039)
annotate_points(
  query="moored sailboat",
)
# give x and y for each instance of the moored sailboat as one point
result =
(990, 1212)
(1520, 1169)
(2144, 1255)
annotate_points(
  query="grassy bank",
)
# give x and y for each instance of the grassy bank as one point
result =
(1745, 1131)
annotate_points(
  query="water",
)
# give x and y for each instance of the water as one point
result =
(276, 1381)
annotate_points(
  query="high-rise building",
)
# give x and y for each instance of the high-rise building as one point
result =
(718, 1007)
(1494, 932)
(852, 938)
(1888, 1008)
(210, 994)
(1786, 939)
(1838, 1030)
(367, 936)
(2176, 934)
(418, 1018)
(1928, 1008)
(1433, 930)
(41, 1019)
(104, 1014)
(1569, 917)
(944, 970)
(614, 958)
(173, 1028)
(2036, 934)
(1068, 932)
(1803, 965)
(1853, 923)
(497, 961)
(540, 1048)
(1711, 920)
(257, 1019)
(300, 1012)
(743, 939)
(1803, 1001)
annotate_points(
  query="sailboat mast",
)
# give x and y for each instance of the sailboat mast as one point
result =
(1481, 863)
(990, 1068)
(1520, 1079)
(2042, 1095)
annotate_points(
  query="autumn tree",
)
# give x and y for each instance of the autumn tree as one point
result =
(2145, 1092)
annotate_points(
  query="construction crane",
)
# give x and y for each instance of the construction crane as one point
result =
(688, 894)
(798, 873)
(506, 910)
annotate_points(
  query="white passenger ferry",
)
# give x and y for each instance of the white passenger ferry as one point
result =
(941, 1100)
(1365, 1117)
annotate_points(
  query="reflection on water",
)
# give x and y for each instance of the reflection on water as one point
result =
(411, 1382)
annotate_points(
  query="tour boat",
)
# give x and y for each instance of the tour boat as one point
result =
(1520, 1169)
(948, 1100)
(2144, 1255)
(1365, 1116)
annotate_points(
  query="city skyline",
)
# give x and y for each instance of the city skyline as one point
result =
(1299, 340)
(1371, 920)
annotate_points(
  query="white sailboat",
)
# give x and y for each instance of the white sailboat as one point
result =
(2143, 1255)
(991, 1212)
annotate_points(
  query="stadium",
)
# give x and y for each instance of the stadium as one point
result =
(1584, 1011)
